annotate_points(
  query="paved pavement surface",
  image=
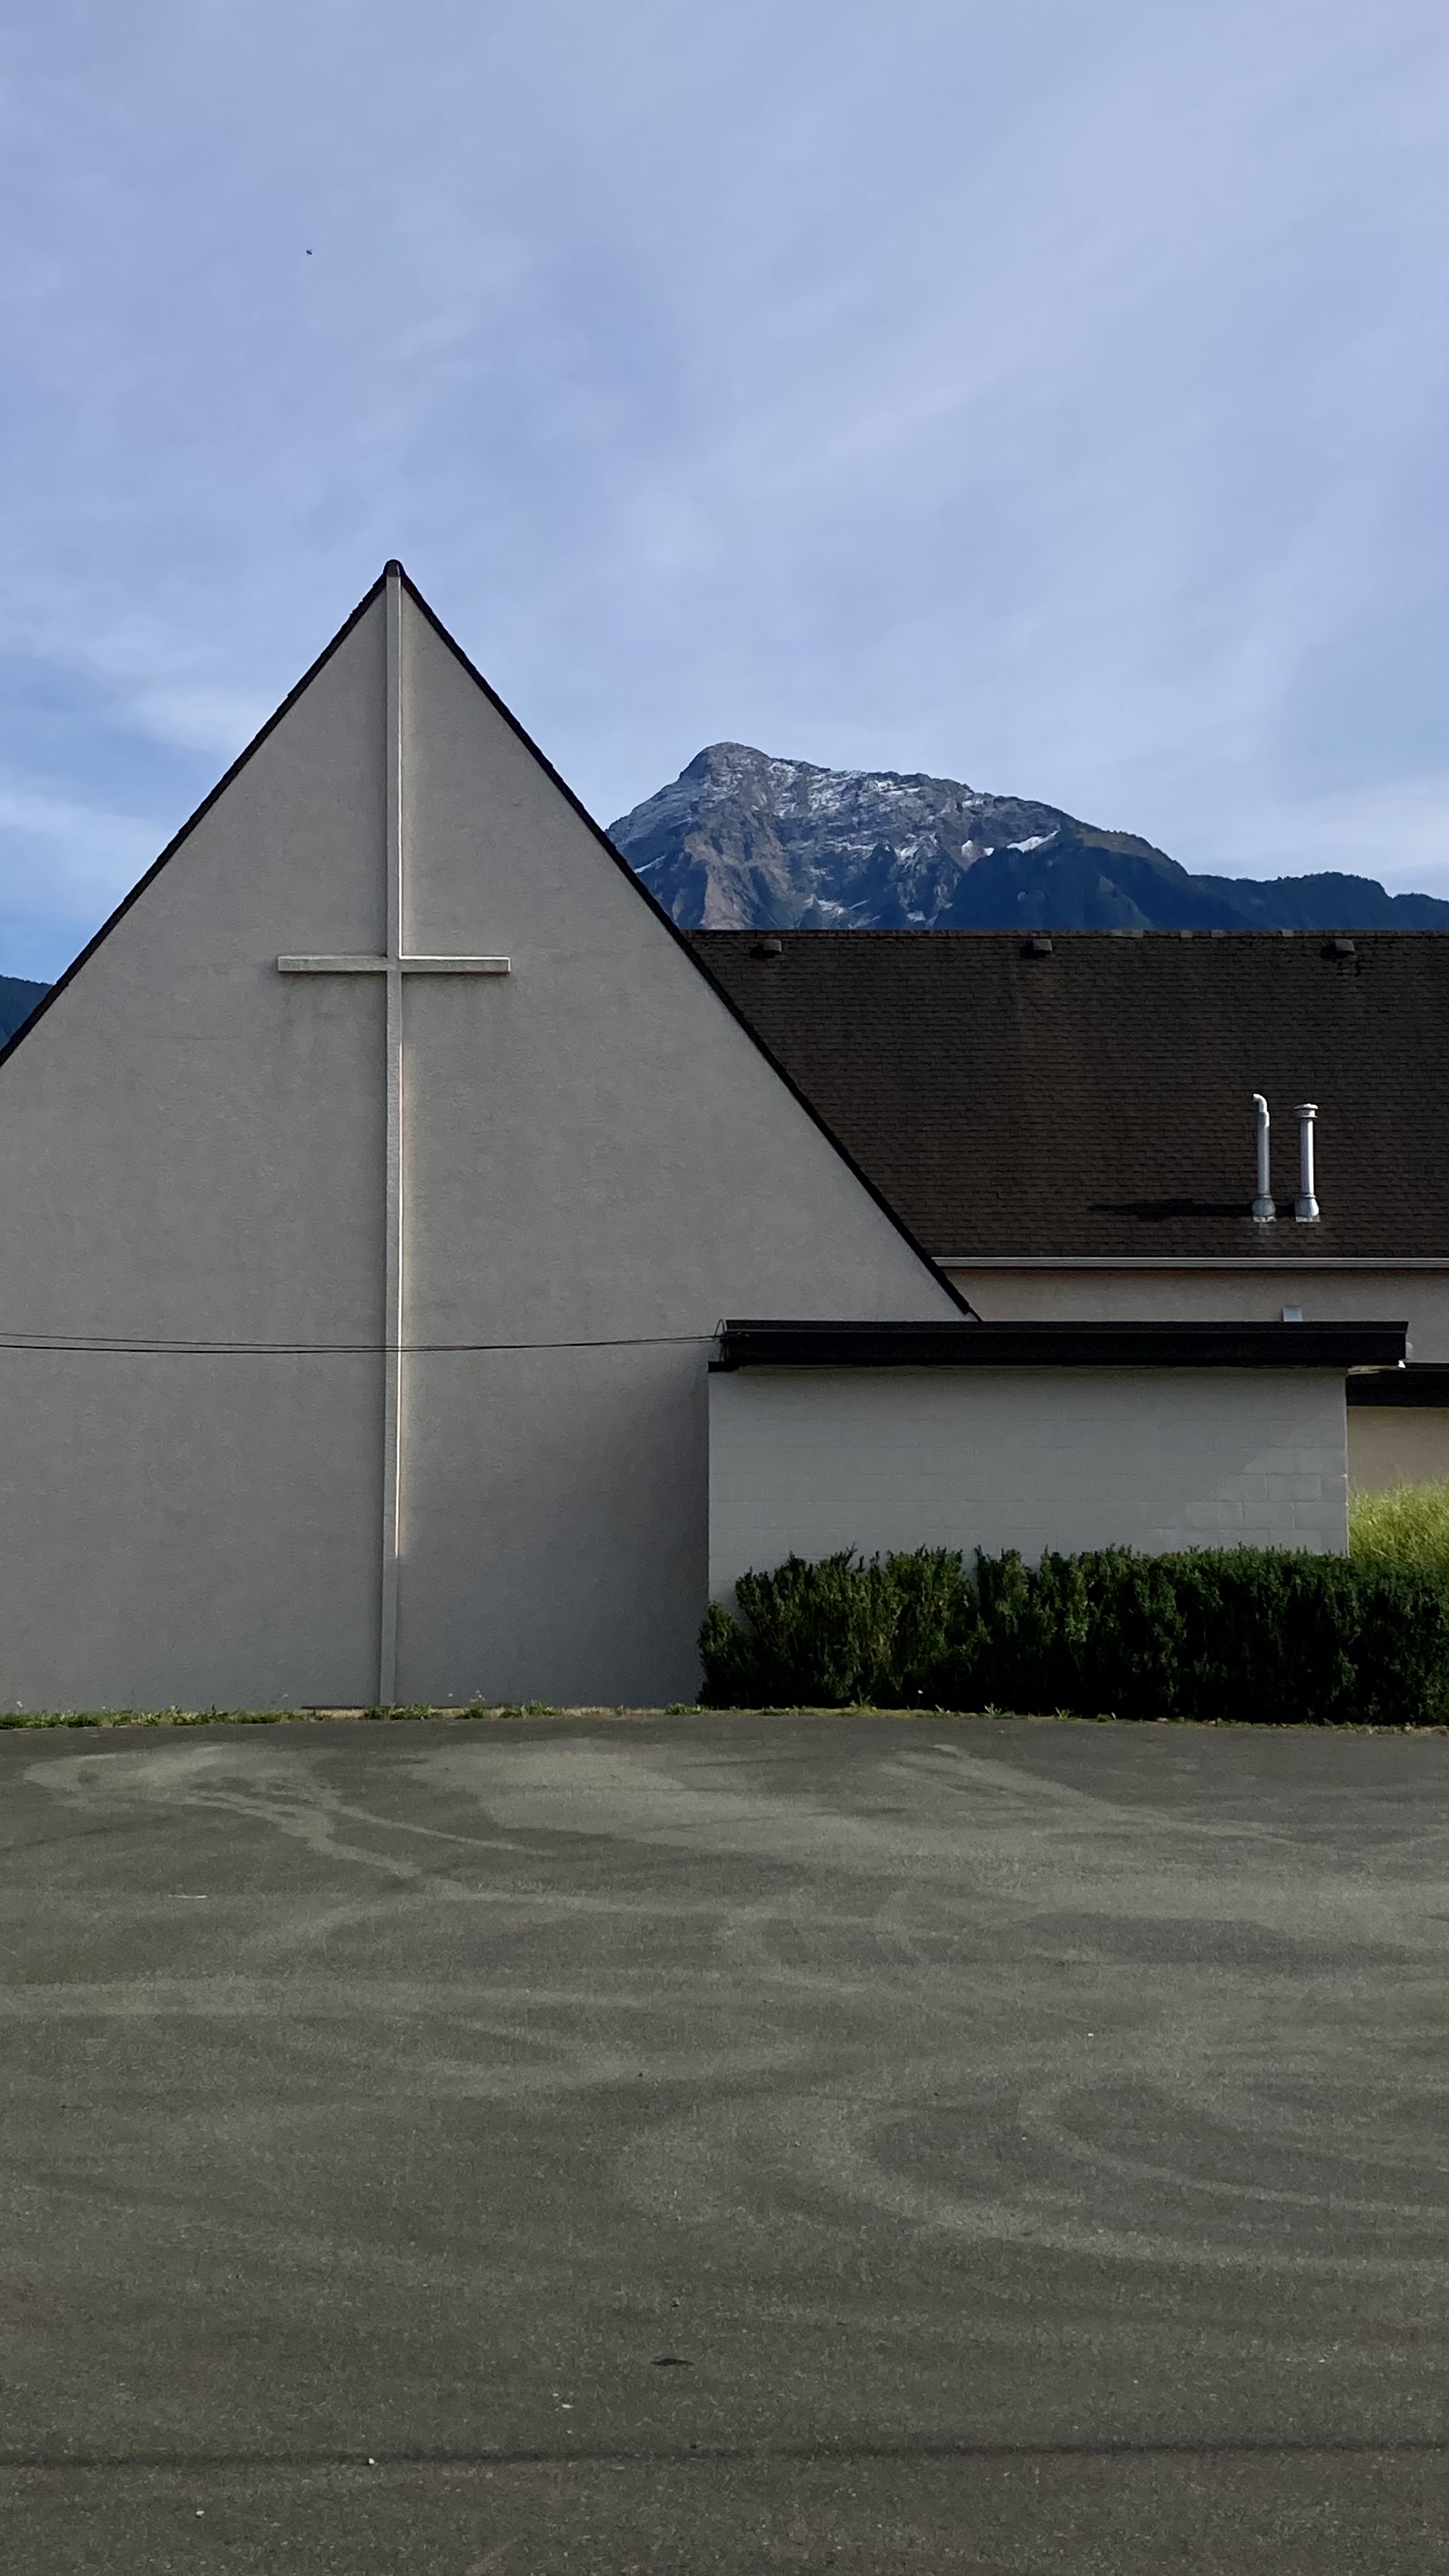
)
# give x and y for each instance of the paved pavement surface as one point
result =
(723, 2145)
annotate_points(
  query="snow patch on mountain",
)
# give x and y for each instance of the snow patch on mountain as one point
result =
(741, 840)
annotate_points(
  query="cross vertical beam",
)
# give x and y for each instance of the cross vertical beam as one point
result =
(395, 965)
(393, 1255)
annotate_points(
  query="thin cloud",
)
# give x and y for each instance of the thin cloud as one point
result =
(1050, 398)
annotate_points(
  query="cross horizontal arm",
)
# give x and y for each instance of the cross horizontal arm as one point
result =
(407, 965)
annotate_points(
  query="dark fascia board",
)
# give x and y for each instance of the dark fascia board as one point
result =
(682, 941)
(1423, 1382)
(189, 826)
(748, 1343)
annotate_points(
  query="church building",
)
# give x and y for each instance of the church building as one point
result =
(429, 1274)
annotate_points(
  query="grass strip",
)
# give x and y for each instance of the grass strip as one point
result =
(113, 1719)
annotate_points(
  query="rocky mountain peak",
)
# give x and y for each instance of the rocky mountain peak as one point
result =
(741, 840)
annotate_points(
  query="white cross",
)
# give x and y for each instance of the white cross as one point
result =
(395, 964)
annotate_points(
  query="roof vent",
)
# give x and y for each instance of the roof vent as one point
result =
(1305, 1206)
(1264, 1210)
(1340, 948)
(768, 948)
(1037, 946)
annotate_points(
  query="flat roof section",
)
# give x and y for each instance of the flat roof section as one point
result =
(755, 1343)
(1422, 1382)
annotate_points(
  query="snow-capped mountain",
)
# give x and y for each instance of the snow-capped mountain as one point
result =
(740, 841)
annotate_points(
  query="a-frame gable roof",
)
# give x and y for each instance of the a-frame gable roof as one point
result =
(685, 945)
(641, 893)
(179, 839)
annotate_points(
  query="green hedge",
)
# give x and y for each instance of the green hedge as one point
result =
(1250, 1633)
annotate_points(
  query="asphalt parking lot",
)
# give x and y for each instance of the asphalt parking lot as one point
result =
(724, 2145)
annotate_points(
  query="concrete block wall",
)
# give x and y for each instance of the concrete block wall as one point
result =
(805, 1461)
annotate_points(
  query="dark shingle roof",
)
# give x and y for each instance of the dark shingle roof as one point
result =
(1098, 1101)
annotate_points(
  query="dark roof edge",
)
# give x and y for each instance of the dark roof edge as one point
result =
(1423, 1382)
(189, 826)
(682, 941)
(1139, 938)
(751, 1343)
(1245, 1261)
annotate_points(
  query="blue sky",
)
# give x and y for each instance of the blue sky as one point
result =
(1052, 396)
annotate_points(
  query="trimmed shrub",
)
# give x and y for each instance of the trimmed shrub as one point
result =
(1252, 1633)
(1409, 1525)
(841, 1631)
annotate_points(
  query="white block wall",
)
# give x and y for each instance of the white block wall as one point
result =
(804, 1461)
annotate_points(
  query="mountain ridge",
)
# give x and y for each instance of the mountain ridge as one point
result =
(18, 998)
(741, 840)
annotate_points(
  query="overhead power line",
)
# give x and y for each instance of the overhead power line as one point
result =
(106, 1345)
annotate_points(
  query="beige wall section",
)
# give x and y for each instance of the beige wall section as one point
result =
(810, 1460)
(190, 1150)
(1394, 1444)
(1202, 1296)
(595, 1149)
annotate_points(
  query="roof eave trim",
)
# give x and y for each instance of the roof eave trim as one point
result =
(764, 1343)
(1192, 1261)
(1421, 1383)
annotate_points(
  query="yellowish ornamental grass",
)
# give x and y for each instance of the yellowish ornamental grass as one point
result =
(1409, 1525)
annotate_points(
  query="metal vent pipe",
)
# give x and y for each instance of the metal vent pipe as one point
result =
(1306, 1206)
(1263, 1208)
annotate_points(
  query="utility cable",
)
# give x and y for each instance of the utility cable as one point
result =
(121, 1345)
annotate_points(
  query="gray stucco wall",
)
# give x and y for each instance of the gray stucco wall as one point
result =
(805, 1461)
(191, 1148)
(188, 1152)
(596, 1149)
